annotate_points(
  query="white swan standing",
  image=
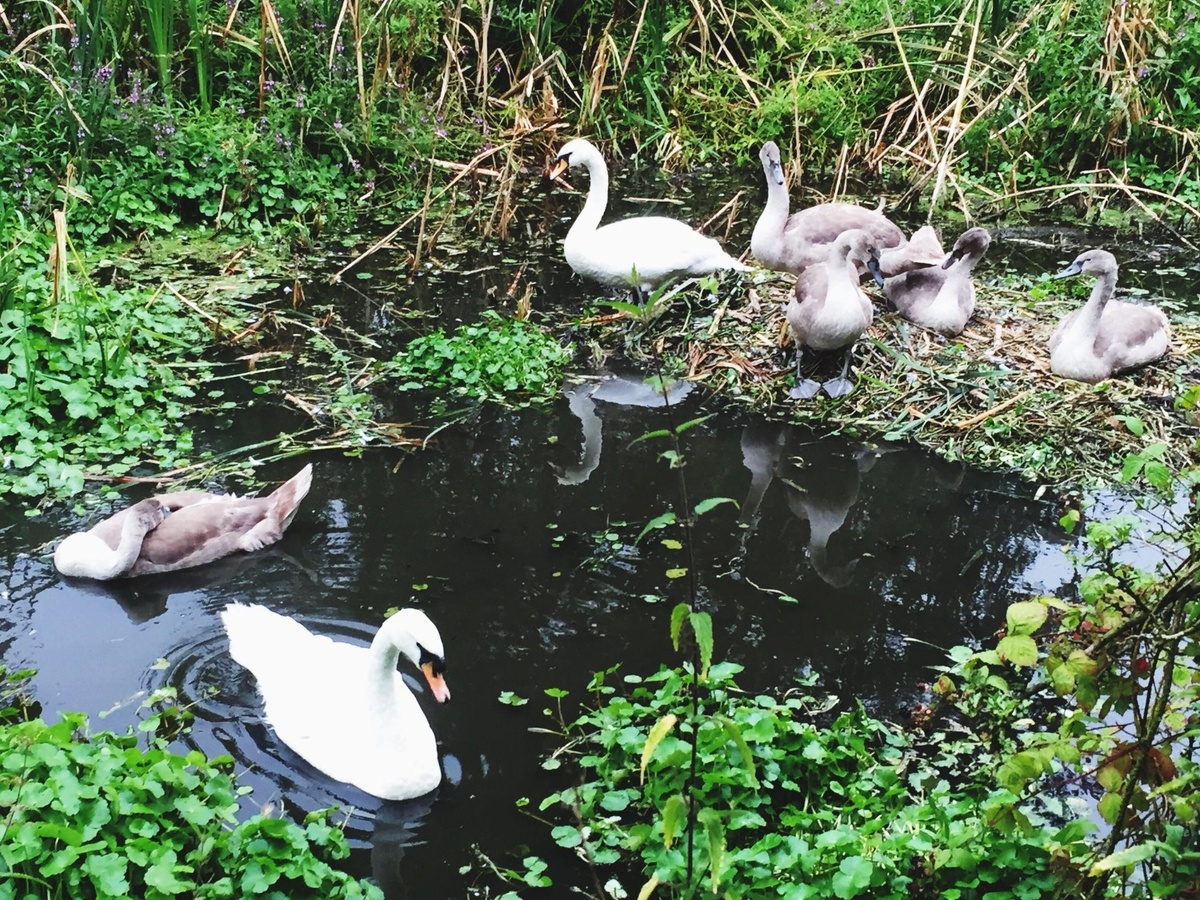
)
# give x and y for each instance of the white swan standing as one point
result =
(180, 530)
(941, 298)
(642, 253)
(1106, 336)
(345, 709)
(829, 311)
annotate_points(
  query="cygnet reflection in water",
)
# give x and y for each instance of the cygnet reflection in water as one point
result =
(144, 599)
(621, 390)
(822, 480)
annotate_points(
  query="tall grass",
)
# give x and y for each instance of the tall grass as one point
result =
(951, 97)
(160, 35)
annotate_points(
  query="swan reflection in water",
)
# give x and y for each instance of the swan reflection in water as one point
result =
(582, 396)
(821, 480)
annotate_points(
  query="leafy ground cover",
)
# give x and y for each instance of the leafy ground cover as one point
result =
(104, 815)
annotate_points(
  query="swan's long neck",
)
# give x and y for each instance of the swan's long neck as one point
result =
(843, 273)
(597, 198)
(775, 212)
(381, 684)
(1102, 292)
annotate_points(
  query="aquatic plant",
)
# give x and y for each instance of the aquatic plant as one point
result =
(787, 800)
(96, 814)
(495, 359)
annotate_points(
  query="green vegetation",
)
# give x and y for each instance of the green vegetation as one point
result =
(90, 375)
(716, 791)
(98, 815)
(496, 359)
(1084, 709)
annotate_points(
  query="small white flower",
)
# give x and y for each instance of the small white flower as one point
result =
(613, 888)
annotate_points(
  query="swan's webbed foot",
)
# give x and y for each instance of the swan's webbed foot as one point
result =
(805, 389)
(838, 387)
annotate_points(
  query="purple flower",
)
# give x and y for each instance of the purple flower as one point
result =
(441, 132)
(104, 73)
(337, 126)
(1142, 72)
(300, 100)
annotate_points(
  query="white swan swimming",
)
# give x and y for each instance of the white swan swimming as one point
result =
(343, 708)
(941, 298)
(1106, 336)
(176, 531)
(643, 252)
(829, 311)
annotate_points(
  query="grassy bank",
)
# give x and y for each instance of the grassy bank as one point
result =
(986, 397)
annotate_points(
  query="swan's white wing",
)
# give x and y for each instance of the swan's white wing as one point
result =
(656, 247)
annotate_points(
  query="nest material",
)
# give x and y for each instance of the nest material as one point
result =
(986, 397)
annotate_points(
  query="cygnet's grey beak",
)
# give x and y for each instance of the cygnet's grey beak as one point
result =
(1073, 269)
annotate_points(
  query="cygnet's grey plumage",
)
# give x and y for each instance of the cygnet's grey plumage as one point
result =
(1107, 335)
(180, 530)
(828, 310)
(941, 298)
(790, 242)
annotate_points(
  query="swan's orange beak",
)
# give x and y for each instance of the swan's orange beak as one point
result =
(557, 167)
(437, 684)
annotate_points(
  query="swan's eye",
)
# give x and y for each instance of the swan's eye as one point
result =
(437, 663)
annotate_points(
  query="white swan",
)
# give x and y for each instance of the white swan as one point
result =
(941, 298)
(828, 310)
(345, 709)
(791, 243)
(1106, 336)
(642, 253)
(180, 530)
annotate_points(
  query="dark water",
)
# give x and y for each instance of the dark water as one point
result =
(517, 536)
(888, 554)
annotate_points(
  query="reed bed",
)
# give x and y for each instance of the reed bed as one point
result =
(986, 397)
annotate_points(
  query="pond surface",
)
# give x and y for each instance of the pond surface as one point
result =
(885, 554)
(516, 532)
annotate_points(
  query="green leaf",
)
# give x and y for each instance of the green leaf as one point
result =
(702, 627)
(660, 730)
(667, 518)
(650, 435)
(107, 871)
(712, 503)
(1109, 808)
(566, 836)
(676, 573)
(678, 615)
(853, 877)
(510, 699)
(1018, 649)
(714, 830)
(674, 812)
(1127, 856)
(691, 423)
(1026, 617)
(735, 734)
